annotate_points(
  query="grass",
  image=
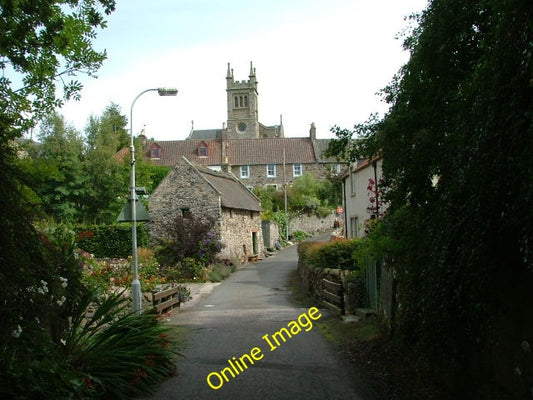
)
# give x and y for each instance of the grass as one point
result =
(333, 328)
(386, 367)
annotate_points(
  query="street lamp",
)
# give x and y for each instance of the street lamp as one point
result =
(136, 284)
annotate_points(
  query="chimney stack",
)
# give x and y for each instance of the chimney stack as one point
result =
(312, 131)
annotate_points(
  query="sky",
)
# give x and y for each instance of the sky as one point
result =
(316, 61)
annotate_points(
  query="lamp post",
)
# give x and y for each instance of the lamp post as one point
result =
(136, 284)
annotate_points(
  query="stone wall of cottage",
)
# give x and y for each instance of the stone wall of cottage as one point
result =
(179, 192)
(238, 229)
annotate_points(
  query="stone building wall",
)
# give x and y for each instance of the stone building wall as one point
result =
(271, 234)
(182, 190)
(312, 224)
(258, 174)
(239, 227)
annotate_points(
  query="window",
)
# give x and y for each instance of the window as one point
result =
(297, 170)
(275, 187)
(335, 169)
(202, 150)
(354, 229)
(241, 101)
(245, 171)
(353, 188)
(155, 153)
(271, 170)
(185, 212)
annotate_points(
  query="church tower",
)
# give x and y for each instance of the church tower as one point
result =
(243, 119)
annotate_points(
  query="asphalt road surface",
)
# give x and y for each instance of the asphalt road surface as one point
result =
(233, 321)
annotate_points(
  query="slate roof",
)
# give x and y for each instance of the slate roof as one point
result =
(320, 146)
(233, 194)
(202, 134)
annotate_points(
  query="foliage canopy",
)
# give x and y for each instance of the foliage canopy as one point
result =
(43, 43)
(457, 145)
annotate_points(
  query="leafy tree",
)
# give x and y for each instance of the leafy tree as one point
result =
(107, 178)
(54, 168)
(42, 44)
(457, 146)
(108, 131)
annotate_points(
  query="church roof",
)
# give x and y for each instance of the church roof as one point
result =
(201, 134)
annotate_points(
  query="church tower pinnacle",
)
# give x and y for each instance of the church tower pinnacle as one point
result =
(243, 118)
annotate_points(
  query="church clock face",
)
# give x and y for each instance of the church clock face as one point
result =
(242, 127)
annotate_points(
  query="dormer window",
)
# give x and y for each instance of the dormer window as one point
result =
(202, 150)
(155, 151)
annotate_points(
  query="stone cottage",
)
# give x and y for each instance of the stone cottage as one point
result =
(193, 189)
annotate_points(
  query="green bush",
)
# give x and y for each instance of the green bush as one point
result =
(334, 254)
(304, 248)
(189, 237)
(299, 236)
(113, 241)
(117, 353)
(219, 272)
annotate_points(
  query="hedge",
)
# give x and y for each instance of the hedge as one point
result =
(335, 254)
(113, 241)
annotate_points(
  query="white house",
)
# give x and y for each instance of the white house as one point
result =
(361, 195)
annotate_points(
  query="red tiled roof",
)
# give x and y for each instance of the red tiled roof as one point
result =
(240, 151)
(270, 150)
(173, 150)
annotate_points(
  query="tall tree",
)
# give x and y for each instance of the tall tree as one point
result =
(457, 146)
(43, 43)
(107, 178)
(53, 169)
(108, 130)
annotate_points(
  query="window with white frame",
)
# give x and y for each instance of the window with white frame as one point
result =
(245, 171)
(297, 170)
(336, 169)
(271, 170)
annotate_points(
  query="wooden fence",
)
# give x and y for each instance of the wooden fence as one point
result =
(333, 296)
(166, 300)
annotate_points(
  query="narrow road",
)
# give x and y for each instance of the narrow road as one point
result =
(233, 321)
